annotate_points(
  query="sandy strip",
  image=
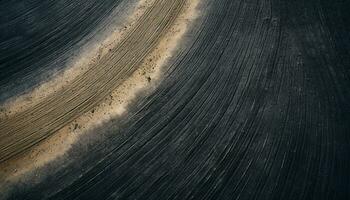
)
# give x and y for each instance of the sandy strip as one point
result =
(26, 129)
(146, 77)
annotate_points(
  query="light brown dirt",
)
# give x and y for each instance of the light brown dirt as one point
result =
(147, 76)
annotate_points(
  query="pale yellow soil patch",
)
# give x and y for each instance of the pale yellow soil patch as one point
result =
(146, 77)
